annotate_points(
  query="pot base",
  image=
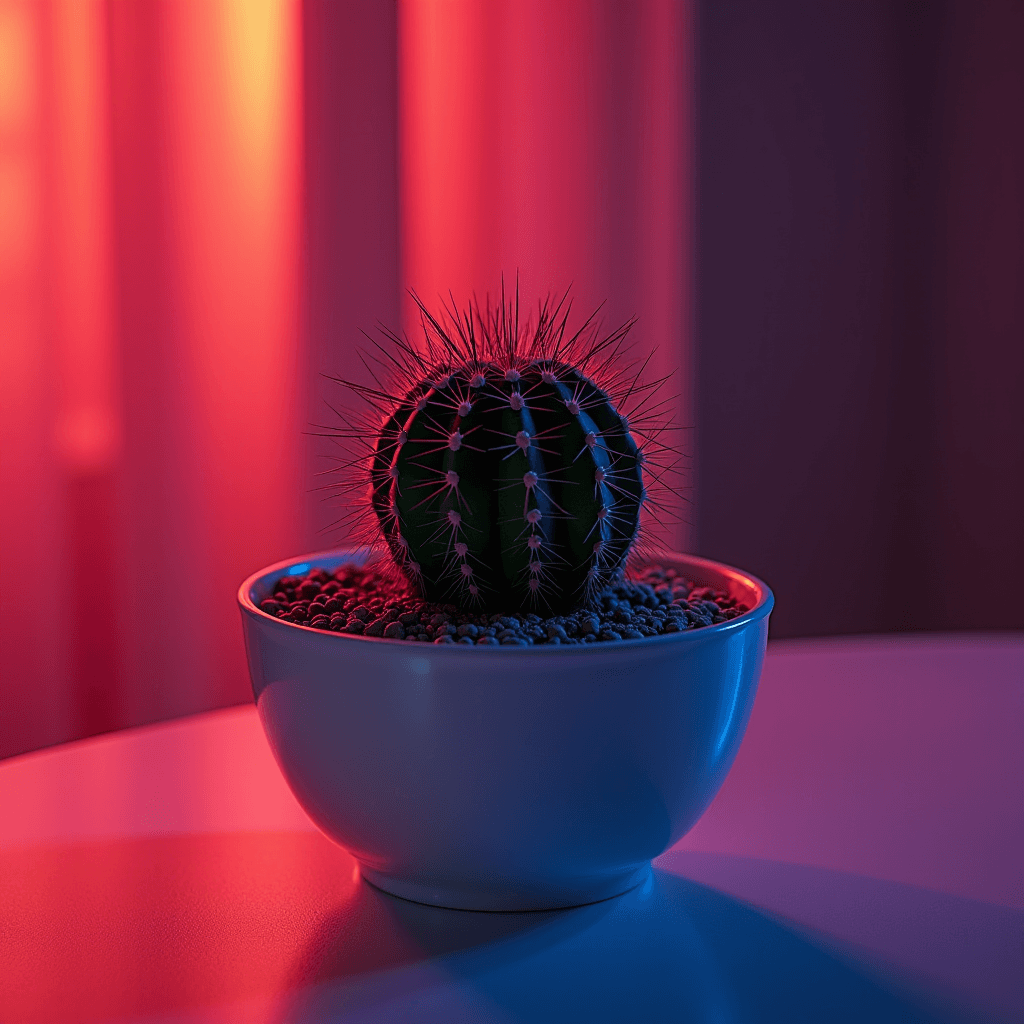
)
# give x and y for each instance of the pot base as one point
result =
(513, 900)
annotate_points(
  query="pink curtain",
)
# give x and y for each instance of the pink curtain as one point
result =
(552, 139)
(201, 206)
(153, 373)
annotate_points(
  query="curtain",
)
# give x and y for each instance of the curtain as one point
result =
(153, 378)
(203, 206)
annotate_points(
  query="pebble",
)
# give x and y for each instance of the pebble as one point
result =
(358, 602)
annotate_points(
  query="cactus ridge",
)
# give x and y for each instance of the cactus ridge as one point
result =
(504, 473)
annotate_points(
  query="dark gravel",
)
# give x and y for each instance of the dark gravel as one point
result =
(363, 602)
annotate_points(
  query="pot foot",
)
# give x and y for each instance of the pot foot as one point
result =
(521, 898)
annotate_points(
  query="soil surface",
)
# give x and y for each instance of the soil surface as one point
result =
(362, 601)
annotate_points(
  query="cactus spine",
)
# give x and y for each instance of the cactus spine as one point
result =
(505, 476)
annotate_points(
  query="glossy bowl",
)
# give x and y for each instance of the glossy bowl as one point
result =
(505, 778)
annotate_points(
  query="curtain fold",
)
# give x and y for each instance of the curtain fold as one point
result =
(154, 393)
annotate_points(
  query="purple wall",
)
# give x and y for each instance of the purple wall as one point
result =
(860, 354)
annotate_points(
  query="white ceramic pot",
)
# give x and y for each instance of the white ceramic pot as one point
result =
(506, 778)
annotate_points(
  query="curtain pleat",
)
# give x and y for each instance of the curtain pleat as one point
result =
(552, 141)
(154, 394)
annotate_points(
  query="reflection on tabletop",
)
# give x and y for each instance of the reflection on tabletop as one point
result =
(279, 927)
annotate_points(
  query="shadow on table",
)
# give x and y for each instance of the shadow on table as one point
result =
(670, 950)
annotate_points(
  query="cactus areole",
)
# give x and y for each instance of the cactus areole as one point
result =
(504, 475)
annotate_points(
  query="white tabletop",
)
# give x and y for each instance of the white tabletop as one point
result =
(862, 862)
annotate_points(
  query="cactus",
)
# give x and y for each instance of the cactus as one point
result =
(505, 474)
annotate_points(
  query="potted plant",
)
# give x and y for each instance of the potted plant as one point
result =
(500, 483)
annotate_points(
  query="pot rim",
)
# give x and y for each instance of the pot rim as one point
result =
(302, 563)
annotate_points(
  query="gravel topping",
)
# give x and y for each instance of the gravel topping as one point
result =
(362, 601)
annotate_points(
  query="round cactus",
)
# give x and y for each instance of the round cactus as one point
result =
(505, 474)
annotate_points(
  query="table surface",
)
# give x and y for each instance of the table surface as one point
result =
(862, 862)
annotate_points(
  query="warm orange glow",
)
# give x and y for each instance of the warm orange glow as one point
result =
(19, 159)
(18, 58)
(258, 40)
(149, 352)
(234, 217)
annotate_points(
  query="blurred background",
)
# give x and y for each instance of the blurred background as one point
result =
(815, 207)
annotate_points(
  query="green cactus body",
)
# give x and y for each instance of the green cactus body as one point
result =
(503, 470)
(507, 484)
